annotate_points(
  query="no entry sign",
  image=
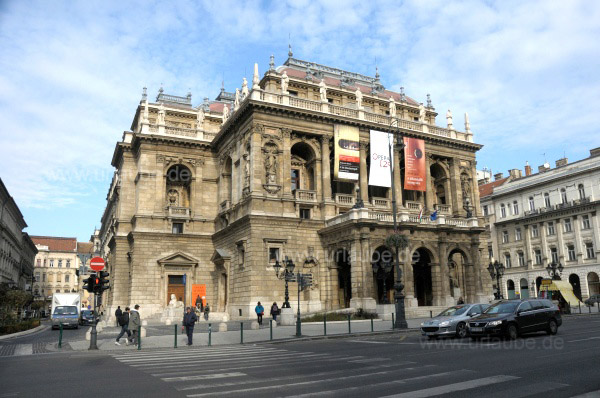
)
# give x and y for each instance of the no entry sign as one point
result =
(97, 263)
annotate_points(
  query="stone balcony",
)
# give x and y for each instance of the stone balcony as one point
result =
(178, 212)
(343, 199)
(306, 196)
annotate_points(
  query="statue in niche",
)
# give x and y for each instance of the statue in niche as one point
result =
(323, 91)
(453, 275)
(392, 107)
(466, 188)
(359, 98)
(173, 197)
(271, 165)
(246, 170)
(285, 81)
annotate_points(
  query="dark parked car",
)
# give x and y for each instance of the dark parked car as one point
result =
(511, 318)
(87, 317)
(593, 300)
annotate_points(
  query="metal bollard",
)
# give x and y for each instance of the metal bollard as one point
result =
(139, 336)
(60, 335)
(393, 322)
(209, 334)
(175, 340)
(349, 330)
(271, 330)
(598, 306)
(241, 332)
(372, 325)
(579, 304)
(431, 314)
(325, 325)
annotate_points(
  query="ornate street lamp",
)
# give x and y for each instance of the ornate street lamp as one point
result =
(496, 270)
(554, 270)
(382, 270)
(287, 275)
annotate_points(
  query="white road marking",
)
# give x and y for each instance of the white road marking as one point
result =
(176, 355)
(465, 385)
(195, 361)
(205, 376)
(591, 394)
(23, 349)
(589, 338)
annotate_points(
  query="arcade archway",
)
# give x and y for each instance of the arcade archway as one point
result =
(423, 285)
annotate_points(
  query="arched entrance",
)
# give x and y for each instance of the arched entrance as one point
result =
(457, 273)
(574, 281)
(524, 288)
(510, 287)
(538, 283)
(421, 260)
(593, 283)
(382, 261)
(342, 260)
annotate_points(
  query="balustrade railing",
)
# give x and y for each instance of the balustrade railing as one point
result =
(305, 104)
(181, 131)
(344, 199)
(178, 211)
(413, 205)
(444, 209)
(303, 195)
(402, 217)
(381, 202)
(342, 111)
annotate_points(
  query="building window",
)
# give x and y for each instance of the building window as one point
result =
(538, 256)
(563, 195)
(177, 227)
(547, 199)
(568, 227)
(59, 263)
(51, 263)
(58, 278)
(504, 236)
(273, 255)
(531, 203)
(66, 278)
(68, 263)
(43, 277)
(507, 260)
(589, 250)
(502, 211)
(518, 234)
(485, 210)
(515, 208)
(581, 191)
(37, 276)
(551, 230)
(44, 262)
(38, 263)
(534, 231)
(554, 255)
(571, 252)
(295, 179)
(305, 213)
(585, 222)
(521, 259)
(241, 250)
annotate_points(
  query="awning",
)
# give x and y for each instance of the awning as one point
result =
(565, 289)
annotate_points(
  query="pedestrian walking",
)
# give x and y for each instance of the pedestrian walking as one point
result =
(274, 311)
(206, 311)
(260, 311)
(189, 320)
(134, 324)
(460, 300)
(123, 321)
(118, 314)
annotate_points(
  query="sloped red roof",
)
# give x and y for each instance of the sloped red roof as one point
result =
(488, 189)
(56, 244)
(85, 247)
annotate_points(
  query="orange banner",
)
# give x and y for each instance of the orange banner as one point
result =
(198, 290)
(414, 165)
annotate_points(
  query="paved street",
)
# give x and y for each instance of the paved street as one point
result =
(372, 365)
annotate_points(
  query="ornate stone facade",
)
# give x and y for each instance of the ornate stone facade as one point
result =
(254, 183)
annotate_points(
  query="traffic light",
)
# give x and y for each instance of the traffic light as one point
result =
(104, 283)
(89, 284)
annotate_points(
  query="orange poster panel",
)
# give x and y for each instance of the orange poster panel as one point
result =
(414, 165)
(199, 290)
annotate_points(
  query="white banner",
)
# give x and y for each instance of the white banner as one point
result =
(379, 173)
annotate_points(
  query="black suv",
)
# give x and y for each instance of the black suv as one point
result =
(511, 318)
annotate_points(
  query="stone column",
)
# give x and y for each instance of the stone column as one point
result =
(398, 180)
(578, 242)
(596, 233)
(325, 168)
(560, 242)
(476, 201)
(436, 288)
(429, 184)
(286, 180)
(446, 298)
(368, 295)
(364, 184)
(544, 244)
(457, 208)
(528, 257)
(476, 258)
(257, 172)
(355, 274)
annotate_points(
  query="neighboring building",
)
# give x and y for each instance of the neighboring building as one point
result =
(55, 266)
(543, 218)
(85, 250)
(210, 197)
(17, 251)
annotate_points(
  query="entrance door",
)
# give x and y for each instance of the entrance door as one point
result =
(176, 287)
(344, 278)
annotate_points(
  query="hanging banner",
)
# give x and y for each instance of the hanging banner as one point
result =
(414, 165)
(347, 153)
(379, 173)
(198, 291)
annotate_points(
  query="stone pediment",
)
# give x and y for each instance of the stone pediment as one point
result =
(178, 258)
(220, 255)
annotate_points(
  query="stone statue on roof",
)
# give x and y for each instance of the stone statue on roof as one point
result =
(449, 120)
(244, 88)
(255, 78)
(161, 114)
(392, 107)
(236, 101)
(225, 113)
(421, 113)
(199, 117)
(467, 124)
(323, 91)
(285, 81)
(359, 97)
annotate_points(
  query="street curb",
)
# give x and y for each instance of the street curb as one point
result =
(24, 332)
(338, 336)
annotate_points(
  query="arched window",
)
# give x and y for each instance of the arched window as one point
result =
(524, 288)
(439, 182)
(581, 191)
(302, 167)
(179, 180)
(510, 288)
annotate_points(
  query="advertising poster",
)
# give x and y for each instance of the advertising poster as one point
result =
(198, 290)
(414, 165)
(379, 173)
(347, 153)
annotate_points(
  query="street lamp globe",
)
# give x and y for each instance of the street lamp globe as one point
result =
(289, 265)
(277, 267)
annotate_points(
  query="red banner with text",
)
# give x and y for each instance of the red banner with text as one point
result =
(414, 165)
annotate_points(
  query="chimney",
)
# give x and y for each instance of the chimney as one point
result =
(562, 162)
(595, 152)
(515, 173)
(544, 167)
(527, 169)
(498, 176)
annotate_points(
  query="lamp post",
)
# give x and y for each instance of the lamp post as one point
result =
(398, 286)
(382, 270)
(554, 270)
(287, 275)
(496, 270)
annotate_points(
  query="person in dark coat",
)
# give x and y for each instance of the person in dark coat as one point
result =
(124, 323)
(189, 320)
(274, 311)
(118, 314)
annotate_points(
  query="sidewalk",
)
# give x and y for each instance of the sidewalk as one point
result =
(280, 334)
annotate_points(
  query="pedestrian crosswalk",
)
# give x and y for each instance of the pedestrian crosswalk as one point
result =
(264, 371)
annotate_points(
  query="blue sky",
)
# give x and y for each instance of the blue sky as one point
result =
(71, 75)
